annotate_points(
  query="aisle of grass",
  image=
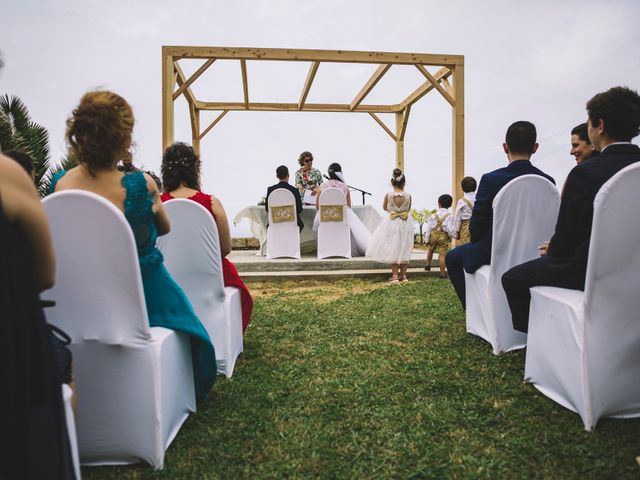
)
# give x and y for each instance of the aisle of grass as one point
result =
(357, 379)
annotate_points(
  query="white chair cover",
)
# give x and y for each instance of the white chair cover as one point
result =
(334, 238)
(524, 216)
(134, 383)
(192, 255)
(584, 347)
(283, 238)
(67, 394)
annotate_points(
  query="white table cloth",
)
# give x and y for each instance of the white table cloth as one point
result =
(257, 216)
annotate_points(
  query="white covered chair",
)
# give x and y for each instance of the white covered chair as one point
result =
(584, 347)
(524, 216)
(192, 255)
(67, 395)
(134, 383)
(334, 234)
(283, 234)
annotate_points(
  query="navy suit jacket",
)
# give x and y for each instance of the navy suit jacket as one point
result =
(569, 246)
(296, 195)
(478, 252)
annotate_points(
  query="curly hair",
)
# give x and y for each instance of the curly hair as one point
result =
(99, 130)
(397, 178)
(180, 166)
(303, 156)
(619, 107)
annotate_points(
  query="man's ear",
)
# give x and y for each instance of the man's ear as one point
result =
(535, 148)
(505, 148)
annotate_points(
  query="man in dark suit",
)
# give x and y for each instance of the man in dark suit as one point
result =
(520, 144)
(282, 172)
(614, 119)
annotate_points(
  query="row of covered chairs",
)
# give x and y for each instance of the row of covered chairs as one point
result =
(583, 347)
(134, 382)
(283, 235)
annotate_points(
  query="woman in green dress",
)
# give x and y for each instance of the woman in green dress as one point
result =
(308, 179)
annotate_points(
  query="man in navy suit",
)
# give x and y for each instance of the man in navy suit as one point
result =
(520, 144)
(282, 172)
(614, 119)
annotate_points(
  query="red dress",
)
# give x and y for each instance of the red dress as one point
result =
(229, 273)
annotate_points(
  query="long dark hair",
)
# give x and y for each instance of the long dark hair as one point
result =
(180, 166)
(333, 168)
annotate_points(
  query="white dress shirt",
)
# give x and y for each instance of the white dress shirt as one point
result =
(432, 222)
(463, 212)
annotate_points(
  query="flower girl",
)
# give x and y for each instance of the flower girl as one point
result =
(392, 242)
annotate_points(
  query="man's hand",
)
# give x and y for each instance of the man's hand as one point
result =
(542, 249)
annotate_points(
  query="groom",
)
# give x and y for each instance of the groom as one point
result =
(520, 144)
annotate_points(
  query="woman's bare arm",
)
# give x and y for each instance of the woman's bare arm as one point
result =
(160, 214)
(21, 205)
(349, 199)
(384, 203)
(223, 226)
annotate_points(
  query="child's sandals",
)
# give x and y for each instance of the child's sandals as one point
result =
(404, 280)
(394, 281)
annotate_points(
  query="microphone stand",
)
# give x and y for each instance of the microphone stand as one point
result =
(354, 188)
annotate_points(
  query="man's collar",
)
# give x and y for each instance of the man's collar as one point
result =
(615, 143)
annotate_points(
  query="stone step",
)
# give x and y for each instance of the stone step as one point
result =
(328, 275)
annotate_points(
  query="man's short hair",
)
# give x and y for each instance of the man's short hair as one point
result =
(582, 132)
(445, 200)
(282, 172)
(619, 107)
(468, 184)
(521, 137)
(22, 158)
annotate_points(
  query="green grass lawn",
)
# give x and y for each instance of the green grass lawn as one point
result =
(357, 379)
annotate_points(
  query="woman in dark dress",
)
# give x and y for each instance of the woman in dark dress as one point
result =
(181, 179)
(33, 435)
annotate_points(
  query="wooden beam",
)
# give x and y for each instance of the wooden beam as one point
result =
(457, 163)
(194, 117)
(375, 78)
(404, 119)
(436, 85)
(245, 85)
(423, 89)
(447, 86)
(399, 142)
(168, 81)
(307, 84)
(384, 127)
(213, 124)
(181, 79)
(303, 55)
(193, 78)
(293, 107)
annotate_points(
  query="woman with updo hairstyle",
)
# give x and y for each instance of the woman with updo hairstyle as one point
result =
(360, 236)
(308, 179)
(181, 179)
(99, 136)
(392, 241)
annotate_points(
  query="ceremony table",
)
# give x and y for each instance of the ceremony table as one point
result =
(257, 215)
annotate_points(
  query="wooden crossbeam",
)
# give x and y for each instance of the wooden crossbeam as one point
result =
(307, 84)
(293, 107)
(445, 83)
(245, 85)
(181, 80)
(384, 127)
(305, 55)
(213, 124)
(193, 77)
(403, 124)
(375, 78)
(437, 85)
(423, 89)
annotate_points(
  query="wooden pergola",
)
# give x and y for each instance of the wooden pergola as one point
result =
(448, 81)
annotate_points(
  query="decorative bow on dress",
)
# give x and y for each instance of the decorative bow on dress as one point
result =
(403, 215)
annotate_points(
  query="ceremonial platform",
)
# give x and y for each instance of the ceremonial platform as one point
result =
(256, 268)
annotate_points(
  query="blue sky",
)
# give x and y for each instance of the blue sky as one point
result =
(539, 61)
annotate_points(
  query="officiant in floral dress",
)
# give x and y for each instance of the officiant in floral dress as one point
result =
(308, 179)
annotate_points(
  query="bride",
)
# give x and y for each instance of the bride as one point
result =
(360, 236)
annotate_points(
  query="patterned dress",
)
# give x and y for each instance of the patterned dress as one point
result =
(167, 304)
(308, 180)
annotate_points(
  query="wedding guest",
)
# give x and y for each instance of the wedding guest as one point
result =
(24, 160)
(581, 147)
(464, 208)
(613, 120)
(308, 179)
(181, 179)
(99, 136)
(282, 174)
(34, 442)
(519, 145)
(438, 233)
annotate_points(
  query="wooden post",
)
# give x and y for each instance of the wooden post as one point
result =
(457, 172)
(194, 116)
(168, 81)
(399, 141)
